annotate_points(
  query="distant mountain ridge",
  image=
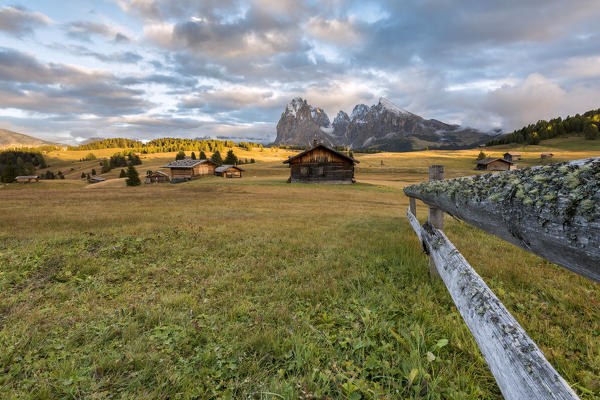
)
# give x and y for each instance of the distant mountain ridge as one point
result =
(383, 126)
(10, 139)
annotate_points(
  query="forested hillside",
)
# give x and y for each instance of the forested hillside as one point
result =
(14, 163)
(165, 145)
(586, 124)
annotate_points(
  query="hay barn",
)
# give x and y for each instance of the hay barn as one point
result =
(512, 156)
(96, 179)
(27, 178)
(157, 177)
(496, 164)
(546, 155)
(187, 169)
(321, 164)
(229, 171)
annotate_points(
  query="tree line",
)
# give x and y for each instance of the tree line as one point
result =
(166, 145)
(586, 125)
(14, 163)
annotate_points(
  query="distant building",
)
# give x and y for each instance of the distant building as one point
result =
(157, 177)
(512, 156)
(321, 164)
(546, 155)
(229, 171)
(496, 164)
(96, 179)
(187, 169)
(27, 178)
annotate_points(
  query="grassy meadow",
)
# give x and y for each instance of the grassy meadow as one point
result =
(254, 288)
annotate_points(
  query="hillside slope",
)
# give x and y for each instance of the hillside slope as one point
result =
(10, 139)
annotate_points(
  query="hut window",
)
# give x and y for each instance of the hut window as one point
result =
(320, 171)
(304, 171)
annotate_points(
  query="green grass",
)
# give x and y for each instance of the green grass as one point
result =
(254, 288)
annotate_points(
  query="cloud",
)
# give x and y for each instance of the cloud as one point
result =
(345, 33)
(20, 21)
(85, 30)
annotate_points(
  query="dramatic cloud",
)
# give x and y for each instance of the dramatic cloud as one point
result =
(20, 21)
(148, 68)
(85, 30)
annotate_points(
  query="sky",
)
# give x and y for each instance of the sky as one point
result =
(71, 70)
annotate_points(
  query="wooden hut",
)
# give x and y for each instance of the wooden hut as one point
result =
(157, 177)
(186, 169)
(545, 156)
(229, 171)
(27, 178)
(321, 164)
(496, 164)
(96, 179)
(512, 156)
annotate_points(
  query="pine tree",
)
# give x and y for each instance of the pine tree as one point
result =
(60, 175)
(133, 179)
(590, 131)
(231, 158)
(193, 155)
(481, 155)
(9, 173)
(122, 174)
(180, 155)
(216, 158)
(252, 161)
(202, 155)
(93, 171)
(82, 175)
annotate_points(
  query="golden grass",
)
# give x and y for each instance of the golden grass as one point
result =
(256, 288)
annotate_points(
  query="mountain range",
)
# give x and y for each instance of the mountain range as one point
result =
(10, 139)
(383, 126)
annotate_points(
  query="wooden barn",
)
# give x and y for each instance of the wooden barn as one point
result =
(157, 177)
(545, 156)
(321, 164)
(27, 178)
(512, 156)
(496, 164)
(229, 171)
(186, 169)
(96, 179)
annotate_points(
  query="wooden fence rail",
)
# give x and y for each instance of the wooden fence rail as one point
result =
(518, 365)
(552, 211)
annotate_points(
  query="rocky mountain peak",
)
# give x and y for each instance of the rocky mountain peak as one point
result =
(383, 126)
(359, 112)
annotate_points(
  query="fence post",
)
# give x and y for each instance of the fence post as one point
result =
(436, 216)
(413, 206)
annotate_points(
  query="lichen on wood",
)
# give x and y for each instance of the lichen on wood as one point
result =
(552, 210)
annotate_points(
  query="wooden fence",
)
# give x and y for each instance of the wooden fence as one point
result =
(532, 208)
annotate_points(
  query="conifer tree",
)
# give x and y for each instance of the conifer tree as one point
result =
(133, 179)
(93, 171)
(122, 174)
(202, 155)
(82, 175)
(481, 155)
(193, 155)
(9, 173)
(231, 158)
(180, 155)
(216, 158)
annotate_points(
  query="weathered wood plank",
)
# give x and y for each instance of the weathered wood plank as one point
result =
(436, 216)
(552, 211)
(518, 365)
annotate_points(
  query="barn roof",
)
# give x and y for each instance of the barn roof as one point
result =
(27, 177)
(97, 178)
(186, 163)
(324, 147)
(486, 161)
(224, 168)
(158, 173)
